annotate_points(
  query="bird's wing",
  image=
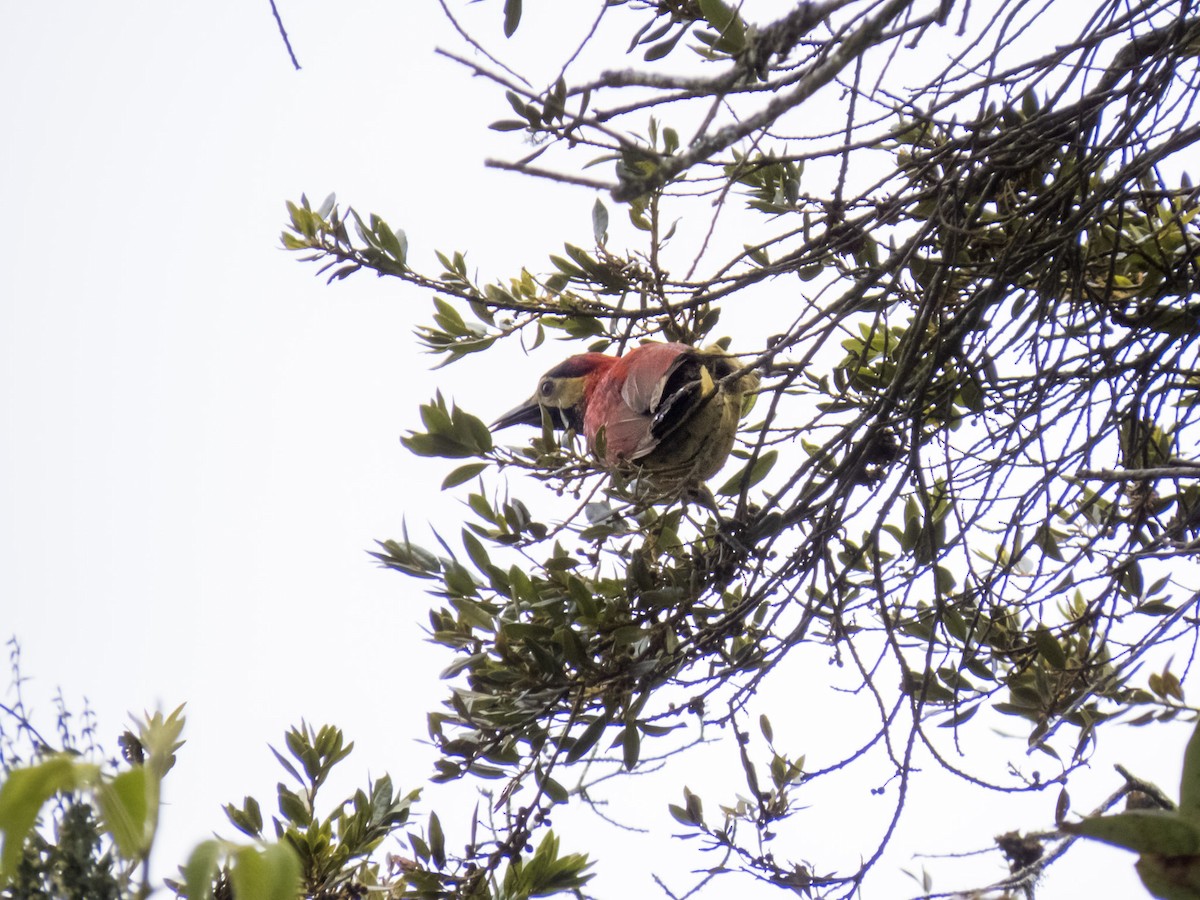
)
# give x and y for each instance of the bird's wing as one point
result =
(644, 371)
(627, 434)
(646, 378)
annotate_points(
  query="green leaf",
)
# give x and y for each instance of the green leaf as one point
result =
(1142, 831)
(631, 746)
(964, 714)
(567, 268)
(761, 468)
(1189, 787)
(440, 445)
(21, 799)
(447, 316)
(1029, 103)
(1170, 877)
(126, 810)
(248, 819)
(663, 48)
(462, 474)
(1049, 648)
(420, 848)
(555, 791)
(473, 614)
(293, 808)
(727, 23)
(393, 243)
(1047, 542)
(437, 841)
(471, 430)
(201, 870)
(600, 222)
(695, 806)
(272, 873)
(512, 16)
(764, 725)
(476, 552)
(588, 739)
(408, 558)
(670, 140)
(681, 815)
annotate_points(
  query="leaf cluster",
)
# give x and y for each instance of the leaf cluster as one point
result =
(968, 479)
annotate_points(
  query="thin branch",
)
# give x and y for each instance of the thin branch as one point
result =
(820, 76)
(1175, 470)
(539, 172)
(283, 34)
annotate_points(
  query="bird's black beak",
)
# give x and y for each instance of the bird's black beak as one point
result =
(528, 413)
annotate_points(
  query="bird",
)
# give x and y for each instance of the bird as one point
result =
(665, 412)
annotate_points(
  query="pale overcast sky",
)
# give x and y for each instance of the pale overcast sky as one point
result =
(200, 439)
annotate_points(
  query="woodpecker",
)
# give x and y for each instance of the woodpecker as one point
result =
(668, 412)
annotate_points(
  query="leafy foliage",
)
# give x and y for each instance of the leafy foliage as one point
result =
(1166, 836)
(337, 854)
(333, 855)
(81, 830)
(73, 825)
(969, 478)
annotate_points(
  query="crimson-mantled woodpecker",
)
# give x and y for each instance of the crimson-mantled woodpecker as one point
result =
(667, 411)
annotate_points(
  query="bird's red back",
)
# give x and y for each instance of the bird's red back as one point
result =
(622, 393)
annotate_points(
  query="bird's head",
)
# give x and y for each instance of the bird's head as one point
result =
(563, 392)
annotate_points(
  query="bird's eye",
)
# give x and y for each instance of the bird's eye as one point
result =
(546, 388)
